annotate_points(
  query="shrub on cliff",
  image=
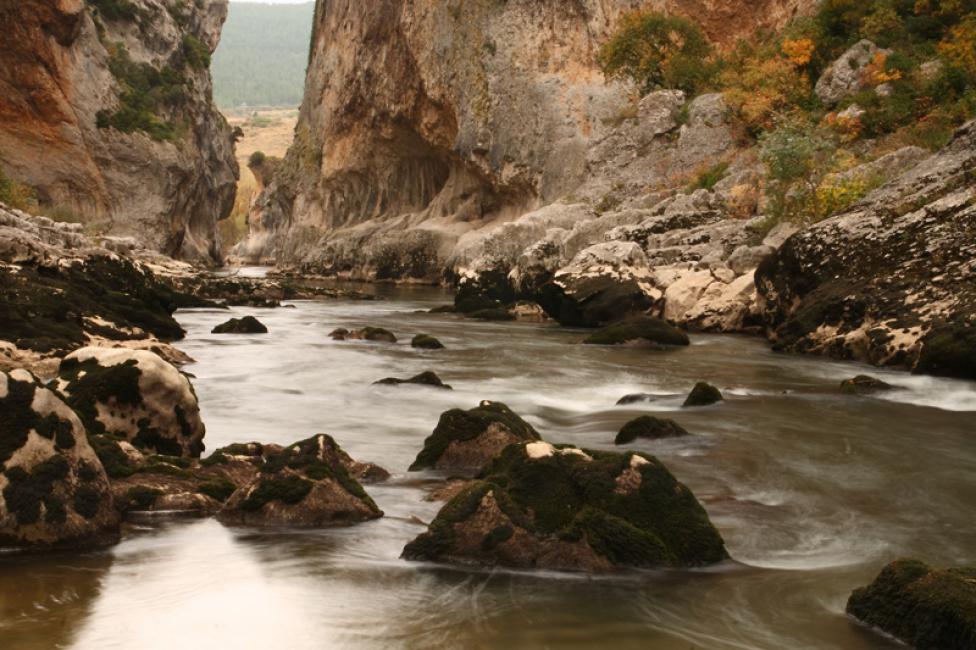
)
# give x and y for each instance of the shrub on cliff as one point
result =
(658, 51)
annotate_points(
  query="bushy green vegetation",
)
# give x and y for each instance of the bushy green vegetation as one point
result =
(263, 54)
(16, 195)
(146, 91)
(915, 91)
(118, 10)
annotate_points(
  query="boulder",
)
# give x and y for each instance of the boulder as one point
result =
(305, 485)
(602, 284)
(54, 493)
(636, 398)
(889, 280)
(133, 395)
(377, 334)
(639, 331)
(465, 441)
(543, 506)
(926, 608)
(245, 325)
(649, 427)
(493, 314)
(845, 76)
(426, 342)
(703, 394)
(864, 385)
(426, 378)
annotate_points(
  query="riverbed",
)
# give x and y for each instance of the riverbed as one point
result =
(813, 491)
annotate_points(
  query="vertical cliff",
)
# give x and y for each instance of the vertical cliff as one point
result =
(425, 120)
(106, 111)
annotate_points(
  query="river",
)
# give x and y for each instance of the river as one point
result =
(813, 491)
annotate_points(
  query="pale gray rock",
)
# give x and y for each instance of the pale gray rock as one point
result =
(845, 76)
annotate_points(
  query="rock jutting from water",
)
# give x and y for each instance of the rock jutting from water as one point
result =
(377, 334)
(304, 485)
(650, 428)
(543, 506)
(703, 394)
(426, 342)
(926, 608)
(427, 378)
(465, 441)
(639, 331)
(864, 385)
(244, 325)
(133, 395)
(54, 493)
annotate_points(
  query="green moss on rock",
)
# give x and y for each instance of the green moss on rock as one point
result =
(949, 351)
(290, 489)
(929, 609)
(640, 330)
(141, 497)
(218, 488)
(458, 425)
(91, 383)
(650, 427)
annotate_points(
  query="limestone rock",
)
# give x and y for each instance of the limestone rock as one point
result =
(135, 395)
(543, 506)
(465, 441)
(305, 485)
(845, 76)
(53, 491)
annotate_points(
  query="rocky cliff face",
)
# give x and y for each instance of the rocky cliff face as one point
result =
(105, 109)
(426, 121)
(892, 280)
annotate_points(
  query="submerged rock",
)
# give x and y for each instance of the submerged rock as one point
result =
(307, 484)
(426, 342)
(245, 325)
(54, 493)
(864, 385)
(636, 398)
(465, 441)
(554, 507)
(650, 427)
(640, 330)
(427, 378)
(929, 609)
(365, 334)
(133, 395)
(703, 394)
(493, 314)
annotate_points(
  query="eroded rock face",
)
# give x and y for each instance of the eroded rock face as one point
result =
(556, 507)
(424, 123)
(75, 72)
(134, 395)
(845, 76)
(54, 493)
(306, 484)
(891, 280)
(926, 608)
(465, 441)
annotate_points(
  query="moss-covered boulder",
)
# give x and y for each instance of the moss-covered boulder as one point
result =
(703, 394)
(245, 325)
(54, 493)
(426, 342)
(133, 395)
(465, 441)
(639, 330)
(864, 385)
(427, 378)
(377, 334)
(649, 427)
(558, 507)
(949, 351)
(929, 609)
(305, 485)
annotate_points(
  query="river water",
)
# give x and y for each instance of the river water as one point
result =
(813, 491)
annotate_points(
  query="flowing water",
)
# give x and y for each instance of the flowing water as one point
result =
(813, 491)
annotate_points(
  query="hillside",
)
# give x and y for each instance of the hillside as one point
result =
(262, 55)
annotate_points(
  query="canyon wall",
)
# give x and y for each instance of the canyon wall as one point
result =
(426, 121)
(106, 111)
